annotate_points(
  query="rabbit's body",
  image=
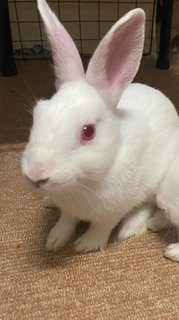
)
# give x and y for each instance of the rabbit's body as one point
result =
(148, 141)
(102, 149)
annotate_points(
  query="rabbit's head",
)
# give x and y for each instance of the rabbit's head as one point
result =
(76, 134)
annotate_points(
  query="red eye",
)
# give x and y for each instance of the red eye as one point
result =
(88, 132)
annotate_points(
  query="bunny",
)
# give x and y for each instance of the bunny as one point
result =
(102, 149)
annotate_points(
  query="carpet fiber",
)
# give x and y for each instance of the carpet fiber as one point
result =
(129, 280)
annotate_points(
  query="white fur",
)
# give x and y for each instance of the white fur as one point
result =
(135, 223)
(48, 203)
(123, 168)
(125, 165)
(158, 222)
(61, 233)
(172, 252)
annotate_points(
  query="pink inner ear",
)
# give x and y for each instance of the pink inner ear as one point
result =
(117, 58)
(122, 60)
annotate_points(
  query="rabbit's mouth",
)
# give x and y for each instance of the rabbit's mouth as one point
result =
(39, 184)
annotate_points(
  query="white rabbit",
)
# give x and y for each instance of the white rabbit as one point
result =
(102, 149)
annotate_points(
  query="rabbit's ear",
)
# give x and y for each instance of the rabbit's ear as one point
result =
(117, 58)
(67, 61)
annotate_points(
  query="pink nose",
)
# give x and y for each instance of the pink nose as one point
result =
(39, 174)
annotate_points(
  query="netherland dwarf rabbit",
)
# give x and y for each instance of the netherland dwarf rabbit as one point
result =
(102, 149)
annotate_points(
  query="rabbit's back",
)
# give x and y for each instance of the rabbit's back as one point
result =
(148, 121)
(149, 130)
(148, 104)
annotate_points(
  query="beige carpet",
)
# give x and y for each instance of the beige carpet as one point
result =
(130, 280)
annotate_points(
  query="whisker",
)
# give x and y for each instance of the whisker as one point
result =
(28, 109)
(177, 233)
(93, 195)
(174, 235)
(86, 188)
(168, 230)
(20, 128)
(29, 88)
(23, 96)
(92, 179)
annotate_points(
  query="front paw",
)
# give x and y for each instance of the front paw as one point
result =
(48, 203)
(172, 252)
(56, 239)
(91, 240)
(61, 233)
(128, 231)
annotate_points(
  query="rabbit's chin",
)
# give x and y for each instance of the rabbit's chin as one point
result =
(47, 187)
(58, 188)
